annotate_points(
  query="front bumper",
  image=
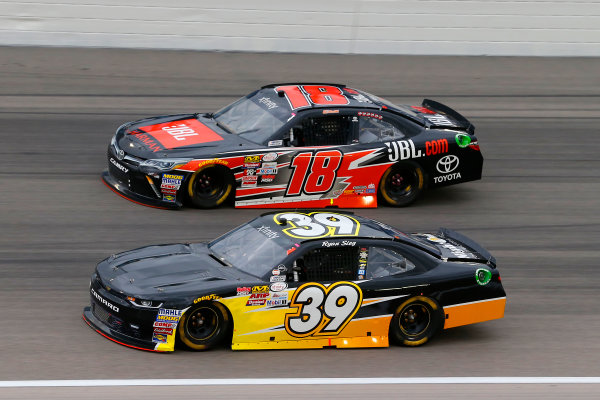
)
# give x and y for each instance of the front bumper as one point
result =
(123, 190)
(115, 336)
(125, 178)
(113, 317)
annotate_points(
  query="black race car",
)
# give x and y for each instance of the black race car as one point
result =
(294, 145)
(296, 280)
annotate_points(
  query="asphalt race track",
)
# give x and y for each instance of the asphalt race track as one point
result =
(536, 209)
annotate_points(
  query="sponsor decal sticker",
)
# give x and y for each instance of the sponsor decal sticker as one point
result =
(275, 143)
(243, 291)
(207, 298)
(159, 338)
(402, 150)
(444, 178)
(278, 286)
(278, 278)
(447, 164)
(268, 232)
(149, 142)
(257, 299)
(181, 133)
(164, 331)
(270, 157)
(270, 104)
(260, 289)
(433, 147)
(267, 171)
(276, 302)
(267, 178)
(252, 159)
(211, 162)
(159, 324)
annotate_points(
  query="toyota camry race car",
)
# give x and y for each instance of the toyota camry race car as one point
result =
(294, 145)
(296, 280)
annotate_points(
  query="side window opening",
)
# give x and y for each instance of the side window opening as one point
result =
(373, 130)
(324, 264)
(322, 131)
(382, 261)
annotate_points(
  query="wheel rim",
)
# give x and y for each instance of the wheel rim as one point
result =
(401, 183)
(209, 184)
(415, 319)
(202, 323)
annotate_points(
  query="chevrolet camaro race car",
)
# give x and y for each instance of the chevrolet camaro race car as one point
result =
(294, 145)
(289, 280)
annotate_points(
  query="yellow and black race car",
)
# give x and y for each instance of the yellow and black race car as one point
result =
(296, 279)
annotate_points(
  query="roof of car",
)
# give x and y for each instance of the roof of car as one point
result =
(356, 99)
(286, 223)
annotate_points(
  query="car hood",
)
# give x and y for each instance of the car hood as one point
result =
(181, 135)
(168, 269)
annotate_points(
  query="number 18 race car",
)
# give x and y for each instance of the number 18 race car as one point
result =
(296, 280)
(294, 145)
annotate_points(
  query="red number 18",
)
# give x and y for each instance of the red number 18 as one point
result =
(318, 179)
(299, 96)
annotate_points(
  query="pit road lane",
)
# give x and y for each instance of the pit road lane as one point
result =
(536, 208)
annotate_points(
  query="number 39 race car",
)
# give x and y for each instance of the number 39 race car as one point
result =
(289, 280)
(294, 145)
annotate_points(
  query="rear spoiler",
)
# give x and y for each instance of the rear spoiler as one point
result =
(469, 243)
(458, 119)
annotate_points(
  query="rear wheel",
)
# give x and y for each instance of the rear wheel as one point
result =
(416, 321)
(401, 184)
(204, 326)
(210, 186)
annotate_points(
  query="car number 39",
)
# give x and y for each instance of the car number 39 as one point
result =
(318, 225)
(322, 311)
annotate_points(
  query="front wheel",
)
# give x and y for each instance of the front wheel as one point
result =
(210, 186)
(401, 184)
(416, 321)
(204, 326)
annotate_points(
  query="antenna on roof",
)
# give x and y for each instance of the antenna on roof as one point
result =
(282, 221)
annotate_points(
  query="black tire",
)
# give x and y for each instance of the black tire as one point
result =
(416, 321)
(210, 186)
(204, 326)
(401, 184)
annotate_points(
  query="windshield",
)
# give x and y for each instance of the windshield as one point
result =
(253, 248)
(255, 117)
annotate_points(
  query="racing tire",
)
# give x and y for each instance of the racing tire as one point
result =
(210, 186)
(416, 321)
(204, 326)
(401, 184)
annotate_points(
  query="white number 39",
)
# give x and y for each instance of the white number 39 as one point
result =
(322, 310)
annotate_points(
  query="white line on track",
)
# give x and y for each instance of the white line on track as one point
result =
(306, 381)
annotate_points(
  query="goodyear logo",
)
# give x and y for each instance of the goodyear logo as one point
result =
(207, 298)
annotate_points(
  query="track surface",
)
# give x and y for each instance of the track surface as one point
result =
(536, 209)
